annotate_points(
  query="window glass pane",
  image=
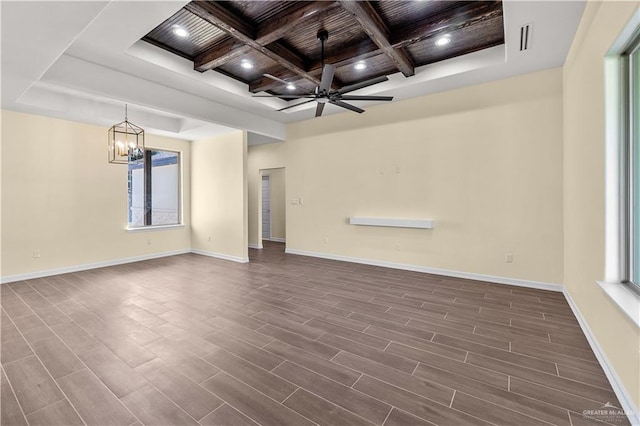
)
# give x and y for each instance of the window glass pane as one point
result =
(165, 184)
(634, 75)
(136, 194)
(154, 189)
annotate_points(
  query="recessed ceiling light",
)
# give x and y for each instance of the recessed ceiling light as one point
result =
(360, 66)
(180, 32)
(291, 86)
(444, 40)
(246, 64)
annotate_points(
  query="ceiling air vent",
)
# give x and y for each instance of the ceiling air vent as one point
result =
(525, 37)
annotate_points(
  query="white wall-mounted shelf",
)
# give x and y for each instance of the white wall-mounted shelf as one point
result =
(392, 222)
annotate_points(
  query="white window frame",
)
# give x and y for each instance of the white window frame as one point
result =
(617, 196)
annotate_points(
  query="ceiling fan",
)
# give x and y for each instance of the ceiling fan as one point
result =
(323, 93)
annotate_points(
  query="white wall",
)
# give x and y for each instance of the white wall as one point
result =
(584, 188)
(219, 214)
(61, 197)
(484, 163)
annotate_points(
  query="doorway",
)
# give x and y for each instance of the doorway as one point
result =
(268, 217)
(266, 207)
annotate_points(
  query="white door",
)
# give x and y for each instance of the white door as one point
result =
(266, 208)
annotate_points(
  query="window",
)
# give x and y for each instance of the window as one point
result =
(622, 167)
(154, 189)
(632, 62)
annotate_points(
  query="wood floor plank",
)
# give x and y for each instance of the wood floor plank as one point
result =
(314, 363)
(491, 412)
(424, 388)
(414, 404)
(32, 328)
(402, 418)
(254, 376)
(348, 333)
(550, 380)
(291, 326)
(386, 358)
(59, 413)
(182, 360)
(153, 408)
(31, 383)
(520, 403)
(228, 416)
(114, 372)
(10, 412)
(244, 350)
(75, 337)
(56, 357)
(313, 346)
(12, 344)
(185, 393)
(322, 411)
(93, 401)
(421, 344)
(493, 378)
(340, 395)
(255, 405)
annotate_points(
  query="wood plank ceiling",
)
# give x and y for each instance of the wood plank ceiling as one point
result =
(247, 39)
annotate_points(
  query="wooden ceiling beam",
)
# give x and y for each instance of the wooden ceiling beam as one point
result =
(376, 29)
(283, 23)
(272, 30)
(352, 53)
(242, 31)
(470, 13)
(219, 54)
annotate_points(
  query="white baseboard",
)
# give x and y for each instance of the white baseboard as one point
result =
(628, 405)
(222, 256)
(255, 246)
(278, 239)
(416, 268)
(86, 266)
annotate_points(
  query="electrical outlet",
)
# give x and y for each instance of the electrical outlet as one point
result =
(508, 258)
(398, 247)
(36, 254)
(149, 242)
(326, 240)
(209, 238)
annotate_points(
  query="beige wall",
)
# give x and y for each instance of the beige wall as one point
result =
(219, 218)
(584, 183)
(484, 162)
(277, 202)
(62, 197)
(261, 157)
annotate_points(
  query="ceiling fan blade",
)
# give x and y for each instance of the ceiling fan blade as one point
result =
(292, 106)
(347, 106)
(352, 87)
(365, 98)
(327, 77)
(284, 96)
(319, 109)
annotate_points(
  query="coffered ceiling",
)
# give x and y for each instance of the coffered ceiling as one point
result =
(84, 60)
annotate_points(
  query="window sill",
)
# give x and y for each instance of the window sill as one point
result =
(153, 228)
(627, 299)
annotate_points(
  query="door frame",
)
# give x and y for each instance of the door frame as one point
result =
(265, 177)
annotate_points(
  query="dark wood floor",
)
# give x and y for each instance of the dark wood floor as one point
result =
(290, 340)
